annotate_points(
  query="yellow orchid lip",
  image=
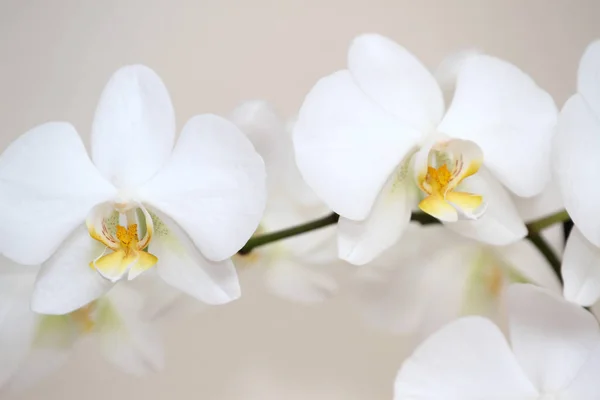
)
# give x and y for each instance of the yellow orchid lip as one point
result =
(128, 253)
(439, 181)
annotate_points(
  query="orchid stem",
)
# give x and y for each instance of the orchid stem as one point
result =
(261, 240)
(547, 251)
(534, 229)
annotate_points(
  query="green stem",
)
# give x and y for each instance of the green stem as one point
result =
(534, 230)
(547, 251)
(267, 238)
(543, 223)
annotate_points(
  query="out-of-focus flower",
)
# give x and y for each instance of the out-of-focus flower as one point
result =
(359, 130)
(34, 345)
(298, 268)
(434, 276)
(142, 202)
(552, 352)
(577, 169)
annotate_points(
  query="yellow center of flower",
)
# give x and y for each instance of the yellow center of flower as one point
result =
(439, 182)
(128, 254)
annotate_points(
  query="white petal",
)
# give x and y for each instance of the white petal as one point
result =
(551, 338)
(394, 291)
(263, 126)
(529, 262)
(581, 270)
(501, 109)
(448, 70)
(500, 223)
(47, 186)
(588, 76)
(128, 341)
(359, 242)
(181, 265)
(17, 321)
(468, 359)
(34, 368)
(134, 127)
(213, 186)
(585, 385)
(397, 81)
(347, 146)
(547, 203)
(39, 364)
(577, 166)
(294, 281)
(66, 282)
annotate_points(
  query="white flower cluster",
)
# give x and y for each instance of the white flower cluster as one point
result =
(449, 189)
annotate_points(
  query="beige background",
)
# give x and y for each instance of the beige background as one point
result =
(57, 55)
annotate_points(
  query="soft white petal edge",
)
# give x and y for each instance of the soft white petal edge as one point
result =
(468, 359)
(501, 223)
(47, 187)
(347, 146)
(134, 127)
(581, 270)
(359, 242)
(551, 337)
(397, 81)
(128, 340)
(66, 282)
(501, 108)
(214, 186)
(181, 265)
(577, 166)
(588, 76)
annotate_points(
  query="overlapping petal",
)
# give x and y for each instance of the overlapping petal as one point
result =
(581, 270)
(134, 127)
(468, 359)
(500, 224)
(181, 265)
(128, 340)
(213, 186)
(501, 109)
(588, 76)
(347, 146)
(552, 339)
(397, 81)
(577, 166)
(47, 187)
(66, 282)
(359, 242)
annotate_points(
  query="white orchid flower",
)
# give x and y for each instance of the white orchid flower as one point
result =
(362, 130)
(197, 203)
(34, 345)
(299, 268)
(552, 352)
(577, 167)
(434, 276)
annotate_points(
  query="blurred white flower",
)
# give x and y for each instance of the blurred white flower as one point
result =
(552, 352)
(298, 268)
(359, 129)
(196, 204)
(434, 276)
(577, 170)
(34, 345)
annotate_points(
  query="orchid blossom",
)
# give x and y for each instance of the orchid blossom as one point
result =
(364, 132)
(34, 345)
(552, 352)
(141, 203)
(577, 168)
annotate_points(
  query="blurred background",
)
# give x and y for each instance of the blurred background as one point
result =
(56, 57)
